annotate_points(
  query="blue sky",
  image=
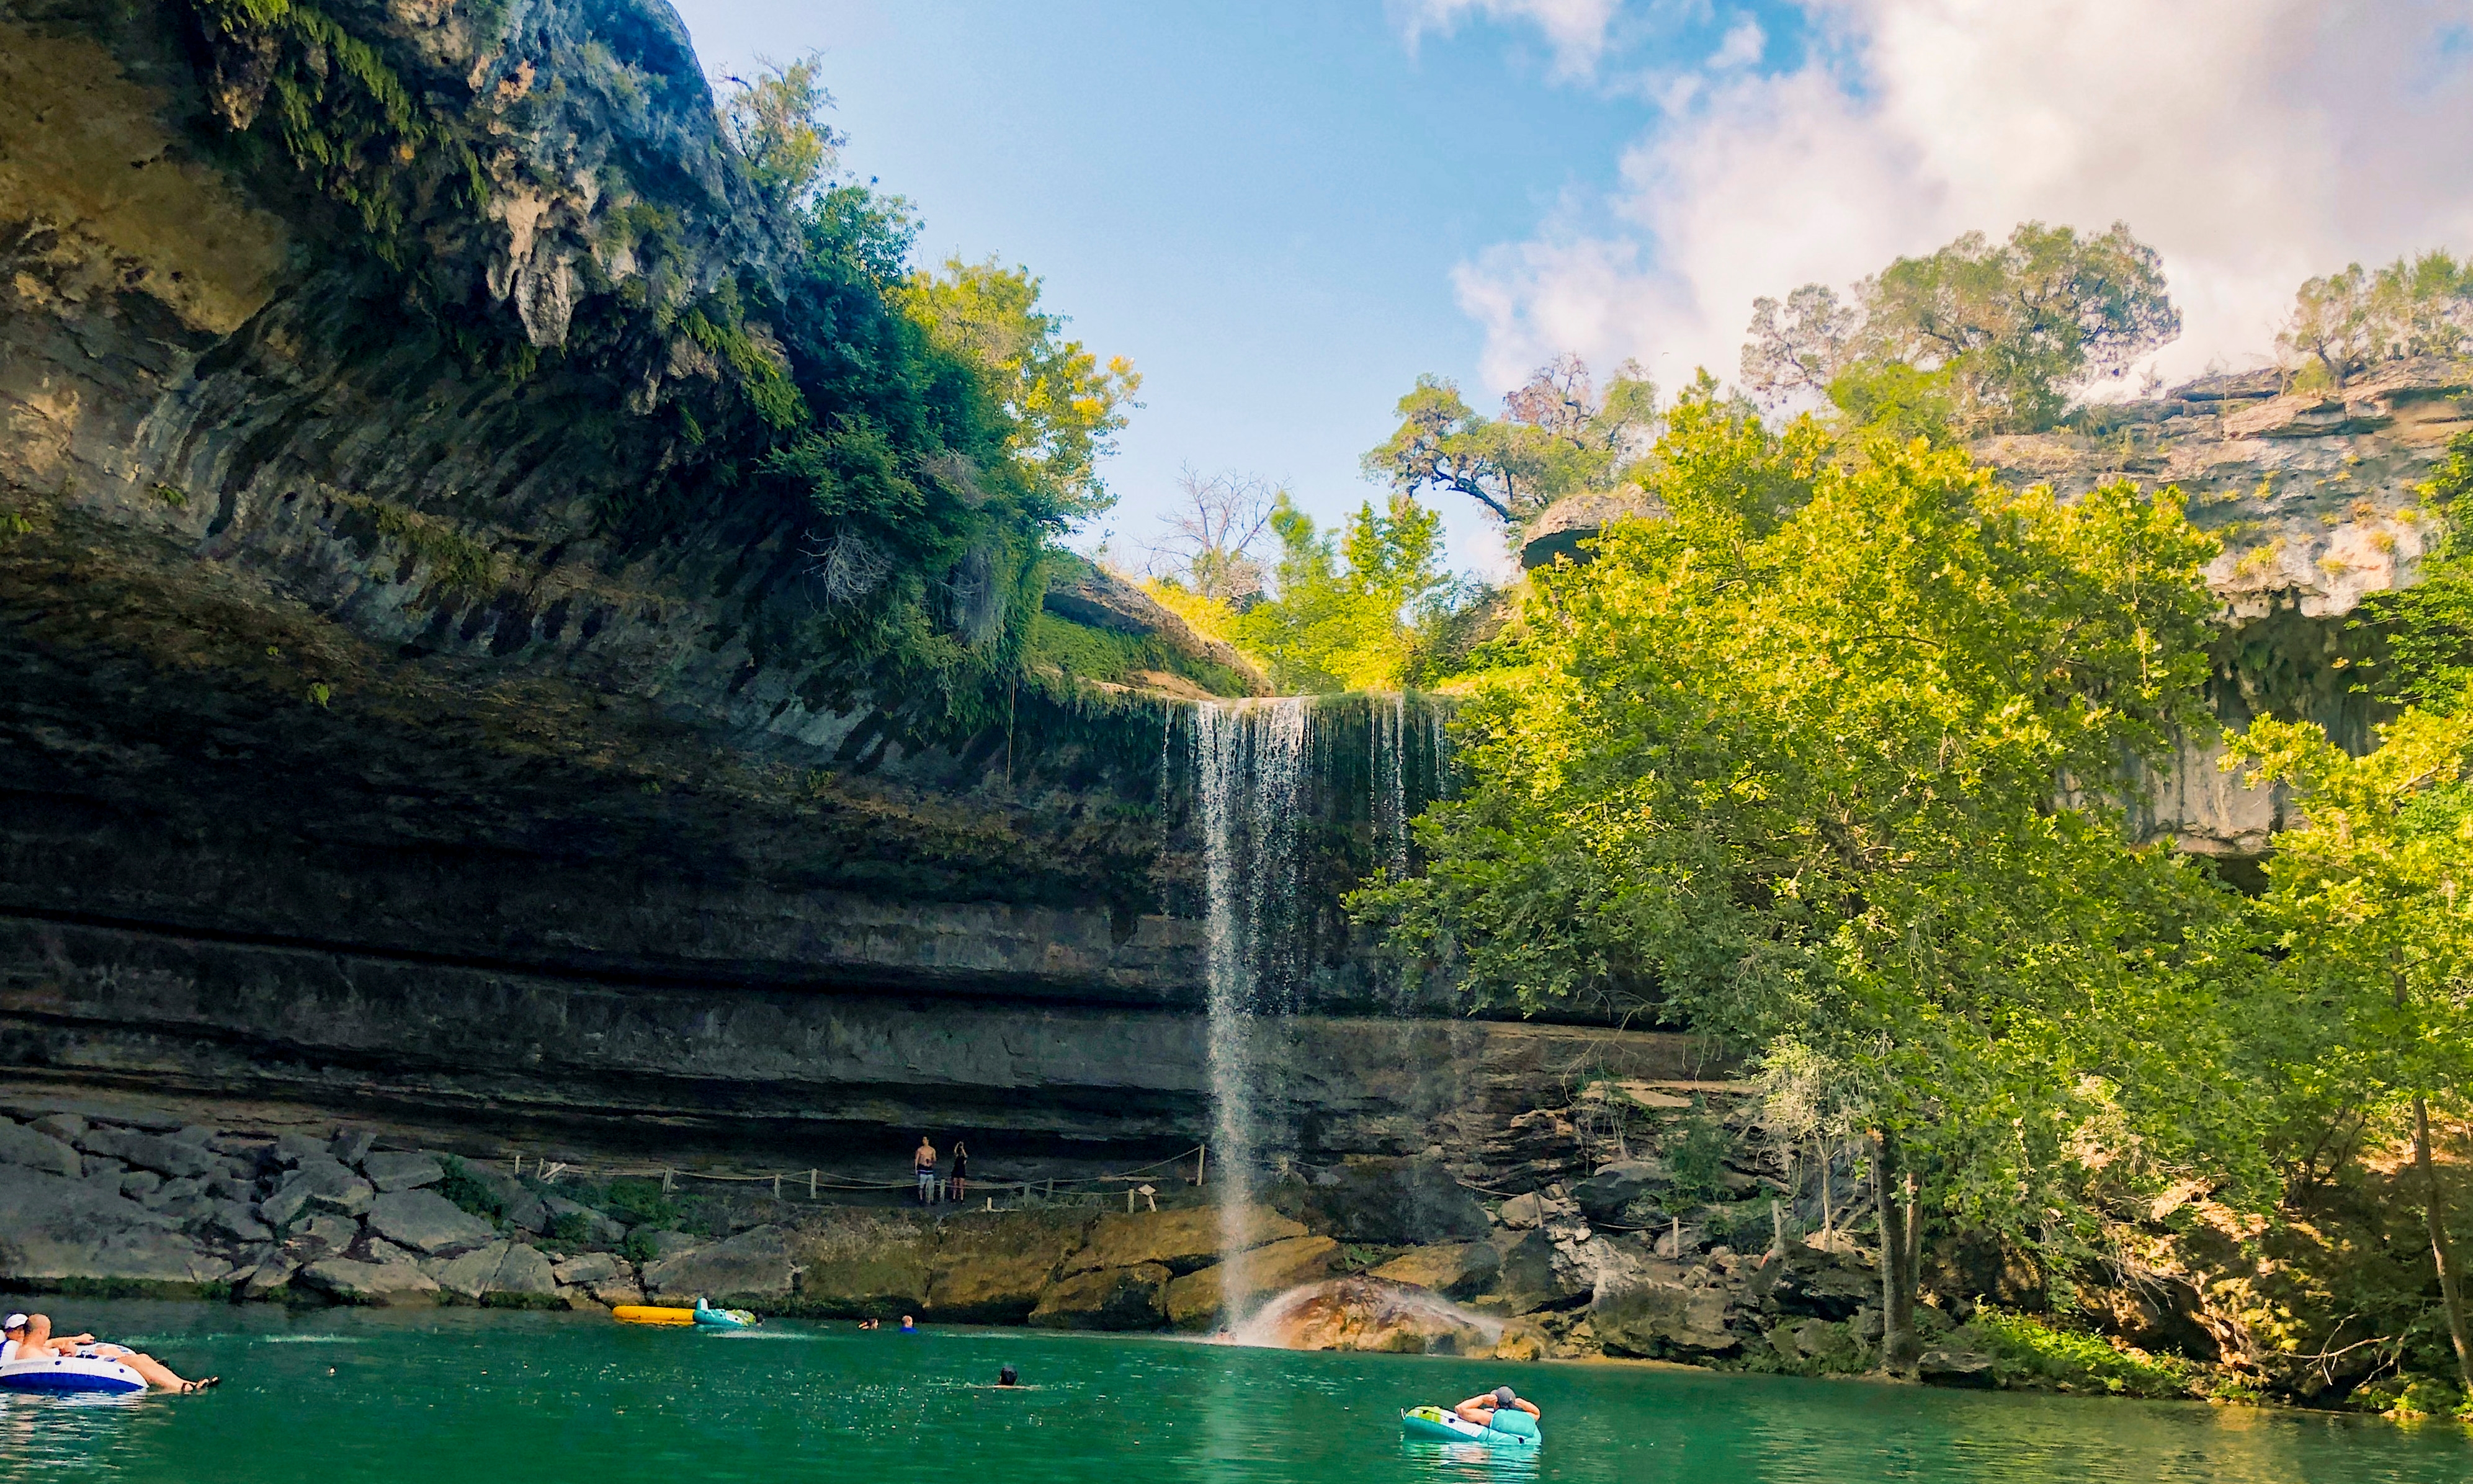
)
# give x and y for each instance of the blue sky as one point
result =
(1283, 212)
(1261, 206)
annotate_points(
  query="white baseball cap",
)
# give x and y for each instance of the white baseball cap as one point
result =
(14, 1321)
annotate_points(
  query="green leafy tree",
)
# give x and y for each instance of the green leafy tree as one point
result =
(2017, 325)
(1061, 406)
(1353, 607)
(2426, 629)
(775, 124)
(2344, 322)
(1559, 434)
(1786, 768)
(2370, 905)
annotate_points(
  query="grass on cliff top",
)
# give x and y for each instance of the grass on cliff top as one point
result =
(1082, 653)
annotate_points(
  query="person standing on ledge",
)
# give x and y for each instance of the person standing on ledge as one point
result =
(924, 1162)
(961, 1171)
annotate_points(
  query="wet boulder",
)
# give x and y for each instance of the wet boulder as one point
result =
(991, 1268)
(1128, 1298)
(1181, 1240)
(1369, 1314)
(1201, 1298)
(862, 1264)
(1961, 1368)
(1394, 1202)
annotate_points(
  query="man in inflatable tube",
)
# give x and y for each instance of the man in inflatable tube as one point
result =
(1481, 1407)
(28, 1337)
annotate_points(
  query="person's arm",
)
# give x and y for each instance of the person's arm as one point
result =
(1530, 1408)
(1475, 1409)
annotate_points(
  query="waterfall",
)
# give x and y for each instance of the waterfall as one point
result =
(1289, 820)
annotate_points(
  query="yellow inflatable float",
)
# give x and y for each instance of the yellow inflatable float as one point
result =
(648, 1314)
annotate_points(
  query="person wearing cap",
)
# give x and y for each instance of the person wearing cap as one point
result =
(28, 1337)
(1481, 1407)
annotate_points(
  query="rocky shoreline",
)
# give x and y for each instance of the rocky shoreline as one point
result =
(163, 1209)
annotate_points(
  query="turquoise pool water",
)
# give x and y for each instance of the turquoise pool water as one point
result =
(441, 1397)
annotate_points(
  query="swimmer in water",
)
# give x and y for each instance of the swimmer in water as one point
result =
(907, 1326)
(1008, 1376)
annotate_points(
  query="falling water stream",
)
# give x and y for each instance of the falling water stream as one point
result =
(1276, 785)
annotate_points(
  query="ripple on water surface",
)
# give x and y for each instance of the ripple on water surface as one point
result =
(396, 1397)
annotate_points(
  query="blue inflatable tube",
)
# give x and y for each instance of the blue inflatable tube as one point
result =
(1434, 1425)
(70, 1373)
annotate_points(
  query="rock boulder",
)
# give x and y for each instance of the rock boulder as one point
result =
(1128, 1298)
(21, 1145)
(1201, 1298)
(391, 1170)
(1659, 1319)
(1182, 1240)
(156, 1152)
(1395, 1202)
(992, 1268)
(427, 1222)
(383, 1284)
(1458, 1270)
(750, 1268)
(55, 1231)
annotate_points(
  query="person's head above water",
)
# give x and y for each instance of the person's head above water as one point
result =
(906, 1324)
(1505, 1395)
(1008, 1376)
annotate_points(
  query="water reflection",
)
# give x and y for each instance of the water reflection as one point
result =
(1470, 1461)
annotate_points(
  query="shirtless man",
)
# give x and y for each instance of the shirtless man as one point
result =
(1481, 1407)
(28, 1337)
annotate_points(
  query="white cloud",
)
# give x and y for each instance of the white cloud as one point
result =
(1742, 46)
(1576, 29)
(2254, 142)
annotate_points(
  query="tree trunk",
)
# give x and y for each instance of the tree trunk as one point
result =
(2442, 1252)
(1899, 1250)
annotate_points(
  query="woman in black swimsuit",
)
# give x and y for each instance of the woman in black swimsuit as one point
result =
(961, 1170)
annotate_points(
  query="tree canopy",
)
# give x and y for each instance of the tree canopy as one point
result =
(2342, 323)
(2015, 326)
(1791, 774)
(1559, 433)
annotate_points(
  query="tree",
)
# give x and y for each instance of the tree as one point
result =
(1350, 611)
(1211, 532)
(2370, 902)
(2344, 323)
(1789, 778)
(1062, 407)
(1559, 434)
(775, 124)
(2017, 325)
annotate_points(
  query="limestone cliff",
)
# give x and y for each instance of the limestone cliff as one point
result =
(332, 625)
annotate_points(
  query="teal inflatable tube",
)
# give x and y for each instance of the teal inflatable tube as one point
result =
(1434, 1425)
(723, 1318)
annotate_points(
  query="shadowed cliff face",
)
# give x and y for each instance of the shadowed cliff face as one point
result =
(317, 636)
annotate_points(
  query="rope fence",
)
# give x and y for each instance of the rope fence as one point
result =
(817, 1182)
